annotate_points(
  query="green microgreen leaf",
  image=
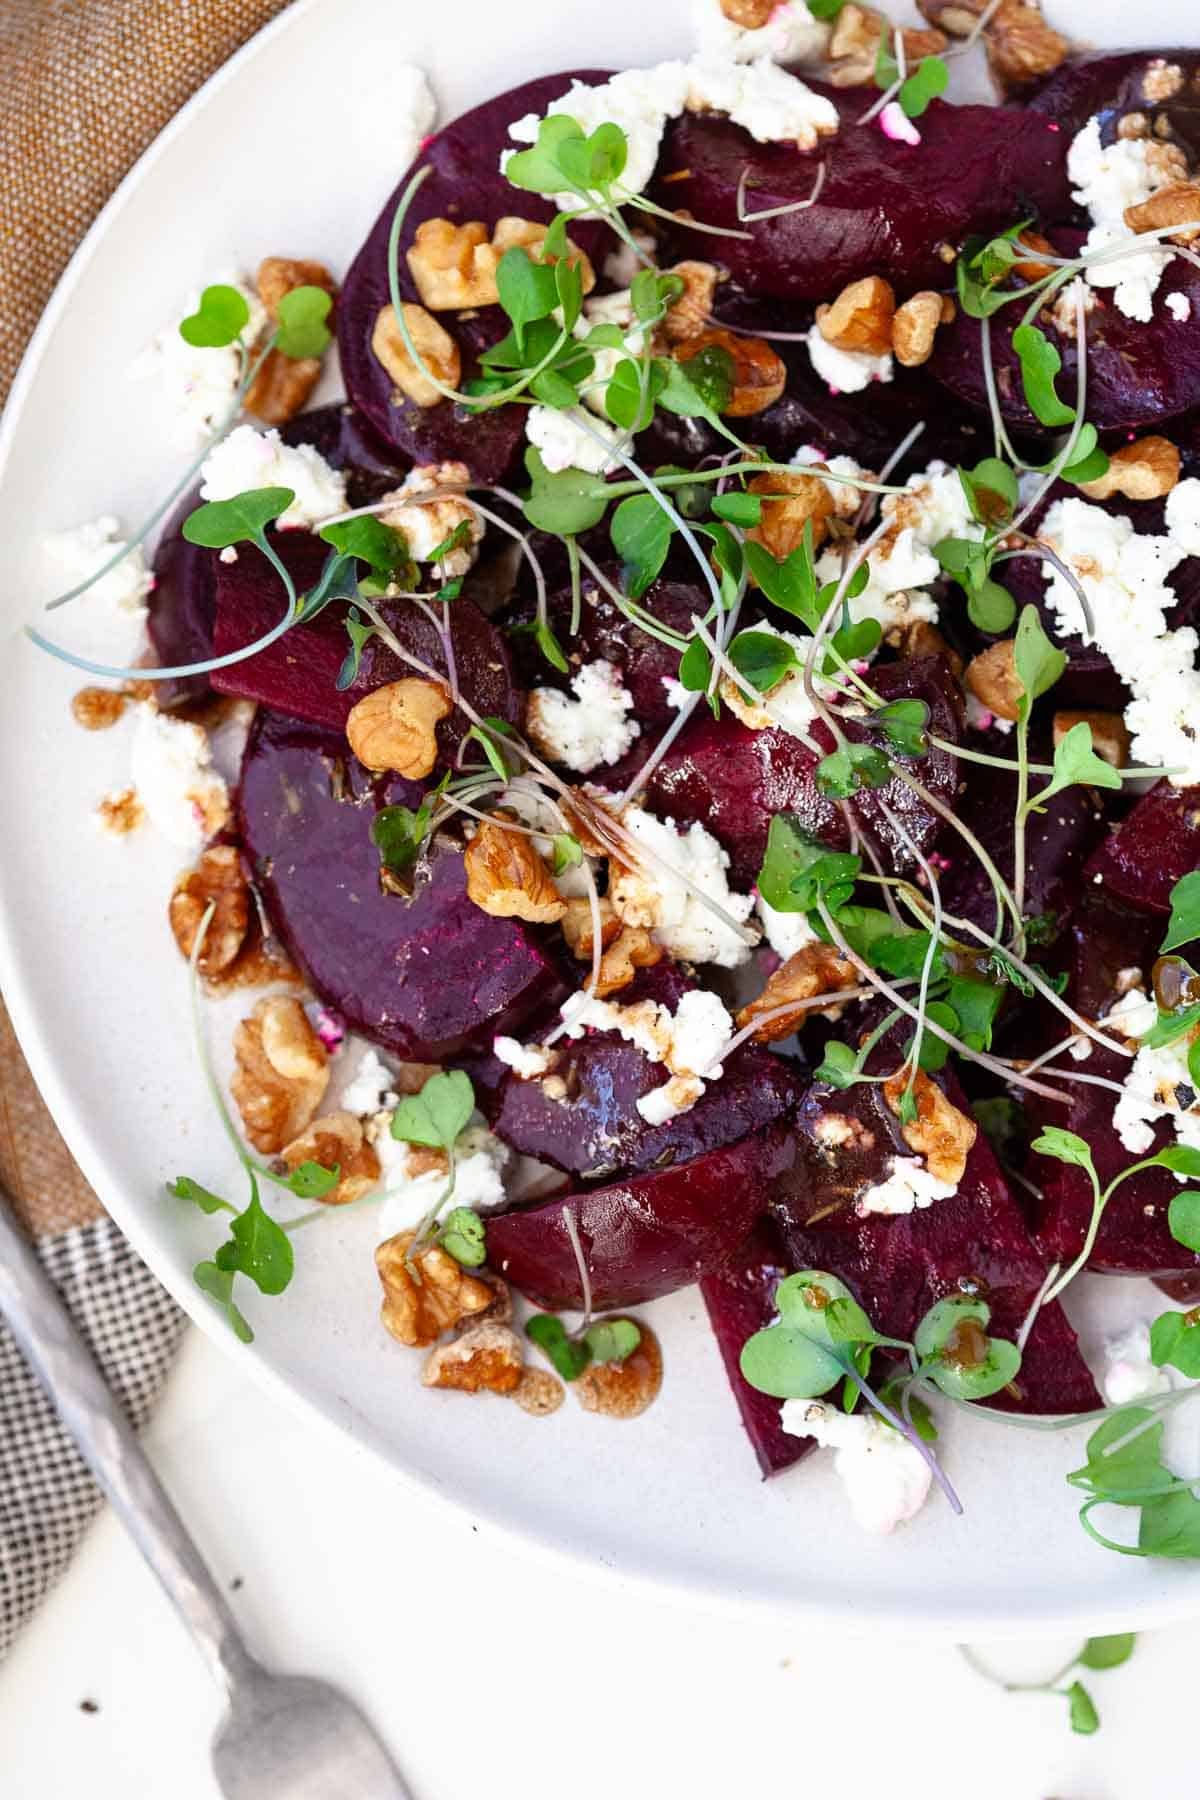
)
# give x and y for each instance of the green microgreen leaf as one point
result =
(566, 502)
(303, 323)
(381, 547)
(567, 852)
(935, 1050)
(990, 607)
(738, 508)
(1040, 364)
(790, 584)
(220, 318)
(488, 734)
(454, 540)
(700, 387)
(1082, 1710)
(436, 1115)
(1076, 764)
(788, 1364)
(462, 1237)
(904, 724)
(838, 1065)
(567, 1356)
(1183, 1217)
(844, 771)
(1184, 923)
(641, 533)
(258, 1247)
(1108, 1652)
(312, 1180)
(612, 1340)
(220, 523)
(762, 659)
(184, 1188)
(1175, 1343)
(991, 490)
(929, 79)
(218, 1284)
(1038, 663)
(360, 632)
(1064, 1146)
(528, 290)
(798, 869)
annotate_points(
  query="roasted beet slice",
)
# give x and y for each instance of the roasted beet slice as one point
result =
(182, 607)
(595, 1131)
(974, 1242)
(1154, 846)
(734, 780)
(1113, 85)
(298, 674)
(425, 977)
(884, 209)
(740, 1298)
(465, 183)
(645, 1236)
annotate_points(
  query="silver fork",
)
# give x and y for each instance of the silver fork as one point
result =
(283, 1737)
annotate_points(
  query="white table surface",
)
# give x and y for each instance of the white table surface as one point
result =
(493, 1672)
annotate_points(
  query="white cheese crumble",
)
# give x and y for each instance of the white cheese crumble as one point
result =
(886, 1480)
(846, 497)
(1129, 1373)
(1153, 1087)
(1124, 575)
(657, 895)
(592, 728)
(257, 459)
(200, 382)
(426, 527)
(846, 371)
(112, 613)
(1179, 307)
(690, 1042)
(1183, 515)
(412, 107)
(181, 793)
(571, 438)
(790, 35)
(773, 106)
(527, 1061)
(902, 565)
(481, 1164)
(369, 1089)
(1107, 178)
(786, 932)
(909, 1187)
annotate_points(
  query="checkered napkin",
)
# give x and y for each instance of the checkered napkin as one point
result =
(84, 87)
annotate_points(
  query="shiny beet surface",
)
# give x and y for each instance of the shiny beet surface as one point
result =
(1154, 846)
(740, 1298)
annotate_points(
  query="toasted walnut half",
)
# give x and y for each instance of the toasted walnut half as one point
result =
(688, 316)
(816, 969)
(1144, 470)
(281, 1073)
(1021, 46)
(283, 383)
(915, 327)
(395, 727)
(806, 501)
(217, 880)
(1177, 205)
(1110, 734)
(622, 1390)
(337, 1141)
(751, 15)
(417, 1313)
(861, 317)
(939, 1133)
(759, 376)
(854, 45)
(455, 265)
(435, 347)
(992, 678)
(626, 948)
(507, 878)
(485, 1358)
(528, 234)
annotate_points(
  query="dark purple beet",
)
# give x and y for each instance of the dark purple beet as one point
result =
(646, 1236)
(976, 1241)
(425, 977)
(182, 607)
(734, 779)
(297, 674)
(466, 183)
(1113, 85)
(740, 1298)
(885, 208)
(1155, 845)
(596, 1132)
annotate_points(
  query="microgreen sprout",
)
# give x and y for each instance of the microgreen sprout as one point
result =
(1124, 1468)
(435, 1118)
(603, 1341)
(1069, 1147)
(1098, 1653)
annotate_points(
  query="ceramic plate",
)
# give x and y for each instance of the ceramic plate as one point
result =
(291, 149)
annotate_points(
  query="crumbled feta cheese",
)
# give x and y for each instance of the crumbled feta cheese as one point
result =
(248, 458)
(790, 35)
(527, 1061)
(846, 371)
(1129, 1373)
(1183, 515)
(481, 1162)
(885, 1477)
(571, 439)
(902, 564)
(1124, 575)
(689, 1042)
(112, 613)
(181, 792)
(667, 891)
(677, 695)
(608, 309)
(1179, 307)
(909, 1187)
(676, 1096)
(1079, 1047)
(773, 106)
(846, 496)
(412, 110)
(592, 728)
(1133, 1015)
(623, 263)
(1107, 178)
(201, 382)
(786, 932)
(369, 1089)
(1157, 1082)
(426, 527)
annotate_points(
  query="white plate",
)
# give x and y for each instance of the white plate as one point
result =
(288, 150)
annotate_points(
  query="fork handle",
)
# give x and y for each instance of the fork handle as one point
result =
(52, 1345)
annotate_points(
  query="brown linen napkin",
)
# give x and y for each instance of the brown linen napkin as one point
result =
(84, 87)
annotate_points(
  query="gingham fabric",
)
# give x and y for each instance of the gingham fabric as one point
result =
(85, 85)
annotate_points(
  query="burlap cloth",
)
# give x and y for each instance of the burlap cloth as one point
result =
(84, 87)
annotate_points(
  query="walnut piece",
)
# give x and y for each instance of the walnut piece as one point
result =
(860, 318)
(622, 1390)
(939, 1133)
(1021, 46)
(751, 15)
(507, 878)
(418, 1312)
(427, 524)
(578, 925)
(1144, 470)
(433, 344)
(528, 234)
(688, 316)
(915, 324)
(626, 948)
(806, 500)
(1110, 734)
(854, 45)
(454, 266)
(992, 678)
(539, 1393)
(281, 275)
(1031, 269)
(96, 708)
(121, 812)
(217, 880)
(283, 384)
(486, 1357)
(395, 726)
(337, 1140)
(1162, 81)
(759, 376)
(281, 1073)
(816, 969)
(1177, 205)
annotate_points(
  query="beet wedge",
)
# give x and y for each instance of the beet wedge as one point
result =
(425, 977)
(1156, 844)
(647, 1235)
(740, 1298)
